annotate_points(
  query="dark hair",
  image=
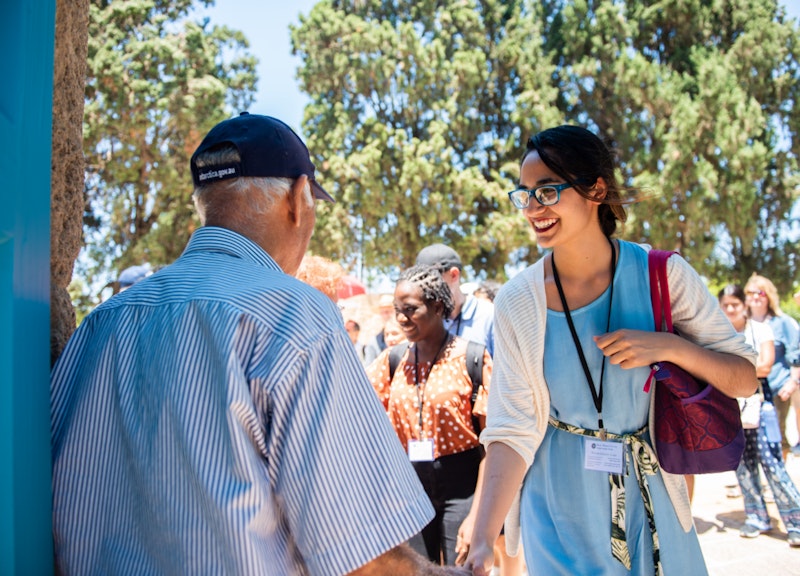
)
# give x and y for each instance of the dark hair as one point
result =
(489, 288)
(576, 154)
(732, 290)
(434, 289)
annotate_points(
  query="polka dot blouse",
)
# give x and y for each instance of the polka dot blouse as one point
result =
(444, 391)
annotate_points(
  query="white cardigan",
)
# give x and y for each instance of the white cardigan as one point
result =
(519, 401)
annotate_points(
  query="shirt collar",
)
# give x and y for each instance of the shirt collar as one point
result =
(222, 240)
(469, 307)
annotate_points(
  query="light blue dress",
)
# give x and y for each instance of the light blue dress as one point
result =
(566, 509)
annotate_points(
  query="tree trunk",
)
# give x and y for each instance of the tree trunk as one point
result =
(66, 186)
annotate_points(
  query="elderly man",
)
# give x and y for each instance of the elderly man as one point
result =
(214, 418)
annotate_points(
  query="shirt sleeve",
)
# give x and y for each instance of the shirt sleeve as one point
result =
(697, 316)
(793, 340)
(519, 402)
(378, 374)
(345, 486)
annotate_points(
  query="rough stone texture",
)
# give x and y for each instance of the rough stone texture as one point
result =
(66, 202)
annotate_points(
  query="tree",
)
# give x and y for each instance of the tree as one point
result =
(422, 110)
(66, 188)
(412, 105)
(698, 97)
(157, 81)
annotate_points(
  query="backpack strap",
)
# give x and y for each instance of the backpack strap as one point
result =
(475, 366)
(395, 355)
(475, 370)
(474, 360)
(659, 289)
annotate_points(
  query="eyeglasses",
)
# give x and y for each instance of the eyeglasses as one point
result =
(754, 293)
(546, 194)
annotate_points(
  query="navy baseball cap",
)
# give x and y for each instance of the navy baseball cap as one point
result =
(267, 147)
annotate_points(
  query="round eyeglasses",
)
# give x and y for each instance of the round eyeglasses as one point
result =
(546, 194)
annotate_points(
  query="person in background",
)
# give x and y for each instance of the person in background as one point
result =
(795, 450)
(322, 273)
(429, 403)
(197, 418)
(378, 344)
(487, 290)
(132, 275)
(568, 452)
(393, 333)
(472, 318)
(758, 449)
(763, 305)
(353, 331)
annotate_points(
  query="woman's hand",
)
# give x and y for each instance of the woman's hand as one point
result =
(634, 348)
(733, 375)
(464, 537)
(787, 389)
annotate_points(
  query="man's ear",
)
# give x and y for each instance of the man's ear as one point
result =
(455, 271)
(452, 274)
(297, 199)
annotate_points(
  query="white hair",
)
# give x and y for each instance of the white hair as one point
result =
(210, 199)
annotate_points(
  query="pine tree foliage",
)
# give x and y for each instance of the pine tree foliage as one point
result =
(699, 99)
(415, 117)
(420, 111)
(157, 82)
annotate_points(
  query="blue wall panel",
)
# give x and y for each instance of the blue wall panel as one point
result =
(27, 33)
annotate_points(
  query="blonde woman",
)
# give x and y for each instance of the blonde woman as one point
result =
(763, 305)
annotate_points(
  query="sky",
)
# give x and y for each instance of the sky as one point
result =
(265, 23)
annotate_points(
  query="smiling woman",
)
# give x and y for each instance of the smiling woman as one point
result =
(429, 402)
(576, 324)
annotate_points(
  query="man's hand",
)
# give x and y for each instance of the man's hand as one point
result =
(404, 561)
(480, 559)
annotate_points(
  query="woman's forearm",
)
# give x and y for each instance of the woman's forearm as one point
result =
(730, 374)
(766, 358)
(504, 470)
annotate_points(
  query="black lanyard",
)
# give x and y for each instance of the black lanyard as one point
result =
(421, 389)
(597, 394)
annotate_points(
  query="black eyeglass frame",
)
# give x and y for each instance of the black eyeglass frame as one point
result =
(534, 193)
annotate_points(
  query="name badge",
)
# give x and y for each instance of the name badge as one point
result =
(603, 455)
(420, 450)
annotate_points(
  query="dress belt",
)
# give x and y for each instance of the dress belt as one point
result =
(645, 464)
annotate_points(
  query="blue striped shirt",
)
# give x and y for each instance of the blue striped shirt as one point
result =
(215, 419)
